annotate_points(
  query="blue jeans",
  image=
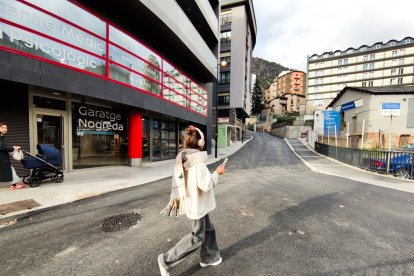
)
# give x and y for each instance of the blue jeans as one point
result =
(203, 235)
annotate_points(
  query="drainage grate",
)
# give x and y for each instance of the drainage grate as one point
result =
(120, 222)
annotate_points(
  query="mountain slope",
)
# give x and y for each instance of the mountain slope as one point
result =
(266, 71)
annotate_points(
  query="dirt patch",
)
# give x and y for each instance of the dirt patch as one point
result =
(18, 206)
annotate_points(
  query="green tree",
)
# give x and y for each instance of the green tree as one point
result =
(257, 99)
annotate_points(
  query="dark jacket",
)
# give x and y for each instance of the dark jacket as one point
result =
(5, 166)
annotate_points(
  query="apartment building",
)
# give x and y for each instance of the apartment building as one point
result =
(381, 64)
(286, 94)
(107, 82)
(237, 40)
(292, 82)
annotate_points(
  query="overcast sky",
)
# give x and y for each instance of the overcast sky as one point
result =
(290, 30)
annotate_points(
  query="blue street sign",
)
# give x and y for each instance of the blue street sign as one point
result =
(347, 106)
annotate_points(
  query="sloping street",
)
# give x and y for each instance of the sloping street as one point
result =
(274, 216)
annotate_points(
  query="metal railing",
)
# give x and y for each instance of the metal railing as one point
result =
(398, 163)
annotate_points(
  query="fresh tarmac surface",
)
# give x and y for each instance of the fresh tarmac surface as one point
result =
(274, 216)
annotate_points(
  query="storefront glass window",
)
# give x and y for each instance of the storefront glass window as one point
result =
(73, 13)
(36, 45)
(130, 44)
(146, 129)
(26, 15)
(164, 140)
(99, 136)
(119, 56)
(120, 74)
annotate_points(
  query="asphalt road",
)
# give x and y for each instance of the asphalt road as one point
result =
(274, 217)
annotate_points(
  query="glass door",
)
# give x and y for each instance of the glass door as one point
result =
(49, 129)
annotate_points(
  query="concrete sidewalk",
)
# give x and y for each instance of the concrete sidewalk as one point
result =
(322, 164)
(87, 183)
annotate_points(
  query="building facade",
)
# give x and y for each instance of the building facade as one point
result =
(286, 94)
(292, 82)
(102, 88)
(237, 40)
(381, 64)
(375, 117)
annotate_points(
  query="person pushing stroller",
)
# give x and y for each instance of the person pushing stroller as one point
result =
(7, 172)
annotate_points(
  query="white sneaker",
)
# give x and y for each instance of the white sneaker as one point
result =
(163, 270)
(213, 264)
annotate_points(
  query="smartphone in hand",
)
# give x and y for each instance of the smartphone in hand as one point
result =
(225, 161)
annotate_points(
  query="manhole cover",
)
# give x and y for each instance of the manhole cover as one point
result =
(120, 222)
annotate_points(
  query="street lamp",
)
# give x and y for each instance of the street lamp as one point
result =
(221, 64)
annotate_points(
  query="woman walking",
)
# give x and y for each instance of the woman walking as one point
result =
(192, 194)
(7, 172)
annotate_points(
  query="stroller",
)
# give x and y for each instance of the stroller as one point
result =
(43, 165)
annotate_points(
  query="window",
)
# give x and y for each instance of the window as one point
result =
(400, 71)
(370, 83)
(224, 78)
(407, 41)
(401, 61)
(364, 84)
(394, 53)
(342, 61)
(225, 38)
(350, 51)
(393, 72)
(391, 44)
(164, 140)
(378, 46)
(368, 66)
(225, 19)
(400, 80)
(319, 81)
(362, 49)
(371, 56)
(224, 100)
(392, 81)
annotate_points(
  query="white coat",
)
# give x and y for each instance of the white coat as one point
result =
(198, 199)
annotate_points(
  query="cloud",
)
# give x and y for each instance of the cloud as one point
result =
(289, 31)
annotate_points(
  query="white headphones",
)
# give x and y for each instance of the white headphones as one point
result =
(200, 142)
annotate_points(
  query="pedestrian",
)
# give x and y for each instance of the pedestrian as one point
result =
(7, 172)
(192, 195)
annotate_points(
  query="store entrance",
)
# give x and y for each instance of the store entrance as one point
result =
(49, 128)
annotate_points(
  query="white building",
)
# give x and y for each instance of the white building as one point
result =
(381, 64)
(377, 117)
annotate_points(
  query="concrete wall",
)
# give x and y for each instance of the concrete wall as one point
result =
(290, 131)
